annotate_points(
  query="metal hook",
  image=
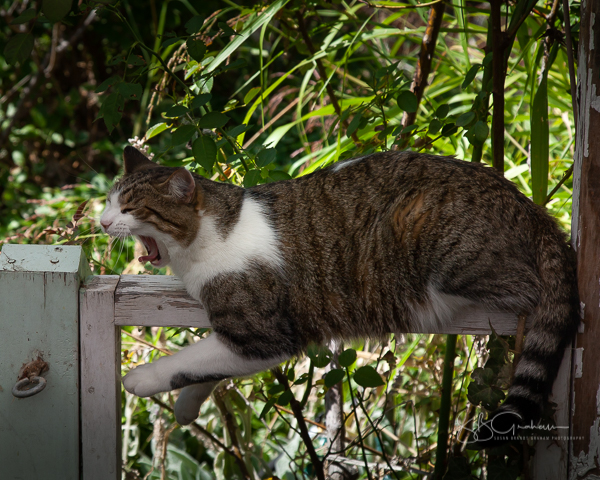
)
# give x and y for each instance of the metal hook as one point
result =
(40, 384)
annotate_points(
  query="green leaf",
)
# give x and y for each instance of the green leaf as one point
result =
(109, 82)
(249, 28)
(478, 133)
(227, 30)
(204, 150)
(268, 406)
(434, 126)
(196, 49)
(251, 94)
(354, 124)
(465, 119)
(347, 357)
(285, 398)
(116, 59)
(56, 10)
(135, 60)
(112, 110)
(200, 100)
(275, 389)
(540, 136)
(132, 91)
(18, 48)
(194, 24)
(156, 129)
(252, 178)
(176, 111)
(334, 376)
(442, 111)
(449, 129)
(235, 131)
(482, 391)
(407, 101)
(213, 120)
(183, 134)
(320, 356)
(278, 175)
(25, 17)
(368, 377)
(470, 76)
(265, 157)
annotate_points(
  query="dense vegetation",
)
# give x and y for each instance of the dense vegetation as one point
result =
(251, 92)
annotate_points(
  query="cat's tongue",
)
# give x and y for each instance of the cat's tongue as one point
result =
(153, 253)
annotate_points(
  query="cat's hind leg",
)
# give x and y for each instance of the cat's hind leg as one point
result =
(190, 400)
(209, 360)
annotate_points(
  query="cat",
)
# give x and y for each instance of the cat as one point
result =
(390, 242)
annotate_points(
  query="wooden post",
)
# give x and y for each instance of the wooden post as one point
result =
(100, 380)
(585, 424)
(39, 285)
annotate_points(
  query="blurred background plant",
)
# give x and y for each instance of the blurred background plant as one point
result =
(249, 92)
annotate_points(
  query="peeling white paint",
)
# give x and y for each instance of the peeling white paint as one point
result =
(579, 362)
(581, 312)
(598, 402)
(581, 328)
(583, 463)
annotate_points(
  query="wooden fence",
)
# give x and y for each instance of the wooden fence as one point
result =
(60, 283)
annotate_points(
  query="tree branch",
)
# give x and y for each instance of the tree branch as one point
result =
(421, 75)
(297, 410)
(498, 77)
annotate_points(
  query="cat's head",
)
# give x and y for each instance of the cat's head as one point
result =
(159, 205)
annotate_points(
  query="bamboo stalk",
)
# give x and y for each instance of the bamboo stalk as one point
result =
(445, 407)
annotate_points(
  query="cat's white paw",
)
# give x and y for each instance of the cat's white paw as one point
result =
(190, 400)
(149, 379)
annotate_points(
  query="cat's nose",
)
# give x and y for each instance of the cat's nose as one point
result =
(105, 225)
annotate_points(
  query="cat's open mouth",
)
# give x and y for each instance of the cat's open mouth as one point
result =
(153, 253)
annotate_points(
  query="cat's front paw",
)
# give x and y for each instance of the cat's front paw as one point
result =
(147, 380)
(190, 399)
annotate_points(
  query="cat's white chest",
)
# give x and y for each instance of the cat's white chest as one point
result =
(252, 239)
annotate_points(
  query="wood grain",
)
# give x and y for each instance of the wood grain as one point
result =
(100, 348)
(157, 300)
(161, 300)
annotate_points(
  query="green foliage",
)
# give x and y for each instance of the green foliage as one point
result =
(232, 92)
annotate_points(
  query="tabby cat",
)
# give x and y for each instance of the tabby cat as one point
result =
(390, 242)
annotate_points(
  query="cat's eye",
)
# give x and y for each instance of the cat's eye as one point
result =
(126, 210)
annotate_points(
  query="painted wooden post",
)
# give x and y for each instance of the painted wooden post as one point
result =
(100, 380)
(584, 461)
(39, 287)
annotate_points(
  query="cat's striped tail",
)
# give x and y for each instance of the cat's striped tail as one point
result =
(555, 322)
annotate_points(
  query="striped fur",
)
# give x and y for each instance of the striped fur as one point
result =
(385, 243)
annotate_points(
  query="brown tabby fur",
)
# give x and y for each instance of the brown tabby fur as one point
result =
(362, 248)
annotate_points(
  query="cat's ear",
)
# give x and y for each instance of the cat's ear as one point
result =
(182, 185)
(135, 161)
